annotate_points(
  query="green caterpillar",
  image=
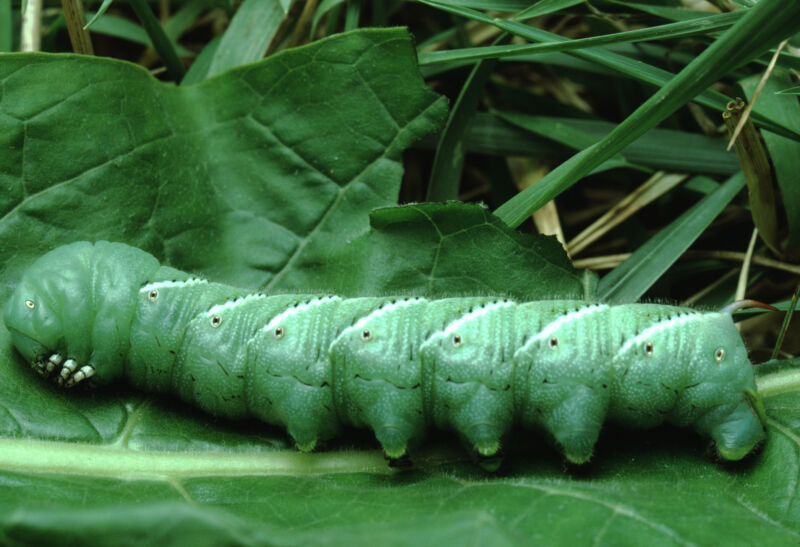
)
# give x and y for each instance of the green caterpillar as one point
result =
(92, 313)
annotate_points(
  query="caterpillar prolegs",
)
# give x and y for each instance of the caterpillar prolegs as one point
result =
(479, 365)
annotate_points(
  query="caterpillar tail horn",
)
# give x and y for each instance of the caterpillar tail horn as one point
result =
(747, 303)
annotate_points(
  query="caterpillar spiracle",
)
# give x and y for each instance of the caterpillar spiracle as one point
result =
(93, 313)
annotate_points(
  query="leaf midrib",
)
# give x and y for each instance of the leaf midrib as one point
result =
(71, 458)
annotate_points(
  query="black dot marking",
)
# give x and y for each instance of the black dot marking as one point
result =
(366, 335)
(216, 321)
(719, 355)
(553, 343)
(457, 340)
(278, 333)
(30, 304)
(648, 348)
(152, 295)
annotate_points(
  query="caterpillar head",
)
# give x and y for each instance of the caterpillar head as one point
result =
(721, 361)
(34, 324)
(70, 314)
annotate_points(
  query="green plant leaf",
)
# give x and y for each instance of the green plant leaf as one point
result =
(212, 167)
(452, 249)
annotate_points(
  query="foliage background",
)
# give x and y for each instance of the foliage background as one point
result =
(285, 174)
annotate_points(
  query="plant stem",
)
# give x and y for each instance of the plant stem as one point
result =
(78, 36)
(30, 35)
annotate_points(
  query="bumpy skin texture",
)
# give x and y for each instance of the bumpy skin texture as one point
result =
(94, 313)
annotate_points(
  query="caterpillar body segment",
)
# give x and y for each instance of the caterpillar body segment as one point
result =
(165, 306)
(93, 313)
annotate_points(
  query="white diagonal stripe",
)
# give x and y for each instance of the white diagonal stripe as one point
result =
(386, 308)
(172, 284)
(294, 310)
(475, 314)
(553, 327)
(219, 308)
(651, 331)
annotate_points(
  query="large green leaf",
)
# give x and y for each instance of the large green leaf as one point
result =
(283, 156)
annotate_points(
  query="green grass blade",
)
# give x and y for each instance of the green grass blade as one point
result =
(449, 161)
(248, 36)
(324, 7)
(126, 29)
(352, 15)
(704, 25)
(763, 26)
(666, 149)
(785, 325)
(675, 14)
(642, 71)
(789, 91)
(162, 45)
(100, 11)
(629, 281)
(543, 7)
(183, 19)
(6, 30)
(562, 133)
(197, 72)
